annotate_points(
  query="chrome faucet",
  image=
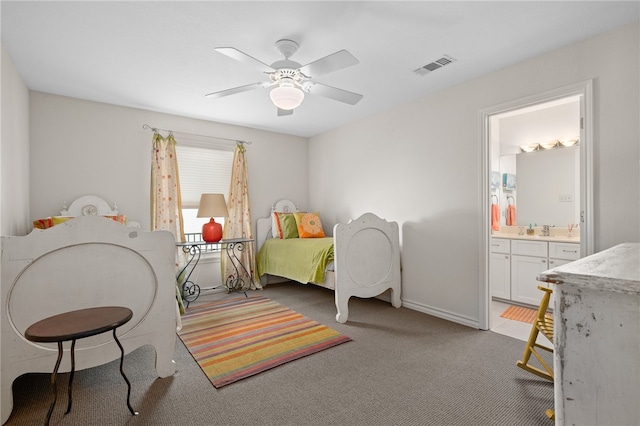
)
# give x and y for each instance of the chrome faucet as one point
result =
(545, 230)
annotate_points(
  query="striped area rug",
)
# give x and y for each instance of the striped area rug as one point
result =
(519, 313)
(237, 338)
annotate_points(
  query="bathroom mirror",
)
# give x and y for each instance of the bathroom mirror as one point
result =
(547, 186)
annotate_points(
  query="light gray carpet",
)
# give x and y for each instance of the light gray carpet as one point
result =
(403, 368)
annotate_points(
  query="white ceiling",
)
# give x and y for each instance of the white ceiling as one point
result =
(159, 55)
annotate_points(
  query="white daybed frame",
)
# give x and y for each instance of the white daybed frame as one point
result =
(84, 262)
(89, 205)
(367, 258)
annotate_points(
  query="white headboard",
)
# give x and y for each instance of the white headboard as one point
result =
(89, 205)
(92, 205)
(284, 206)
(264, 226)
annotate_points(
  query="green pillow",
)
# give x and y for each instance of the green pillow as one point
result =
(287, 226)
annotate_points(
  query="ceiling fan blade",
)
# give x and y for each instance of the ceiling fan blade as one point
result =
(333, 93)
(334, 62)
(283, 112)
(244, 58)
(235, 90)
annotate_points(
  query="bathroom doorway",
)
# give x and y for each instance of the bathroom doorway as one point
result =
(545, 124)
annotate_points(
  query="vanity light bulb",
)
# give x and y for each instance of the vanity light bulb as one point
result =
(549, 145)
(568, 142)
(530, 148)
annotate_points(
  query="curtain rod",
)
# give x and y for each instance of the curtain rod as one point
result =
(155, 129)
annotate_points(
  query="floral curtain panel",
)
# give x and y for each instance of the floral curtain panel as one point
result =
(238, 224)
(166, 204)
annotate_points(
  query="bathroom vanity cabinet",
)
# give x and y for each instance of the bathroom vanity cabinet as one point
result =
(515, 263)
(500, 268)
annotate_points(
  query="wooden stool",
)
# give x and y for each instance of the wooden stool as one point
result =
(77, 325)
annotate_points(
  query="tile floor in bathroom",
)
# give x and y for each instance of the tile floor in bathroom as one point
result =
(516, 329)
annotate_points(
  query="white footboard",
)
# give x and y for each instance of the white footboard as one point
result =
(85, 262)
(367, 259)
(366, 253)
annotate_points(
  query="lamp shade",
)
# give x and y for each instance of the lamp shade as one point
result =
(212, 205)
(286, 97)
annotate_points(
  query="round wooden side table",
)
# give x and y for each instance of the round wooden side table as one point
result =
(77, 325)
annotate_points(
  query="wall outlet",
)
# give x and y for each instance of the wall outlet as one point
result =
(566, 198)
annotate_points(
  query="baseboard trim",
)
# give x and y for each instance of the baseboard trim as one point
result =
(440, 313)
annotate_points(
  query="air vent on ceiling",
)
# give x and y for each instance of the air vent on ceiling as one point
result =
(445, 60)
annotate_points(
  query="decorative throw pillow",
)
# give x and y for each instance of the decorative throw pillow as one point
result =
(57, 220)
(286, 225)
(309, 225)
(274, 225)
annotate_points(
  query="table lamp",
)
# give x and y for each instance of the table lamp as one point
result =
(212, 205)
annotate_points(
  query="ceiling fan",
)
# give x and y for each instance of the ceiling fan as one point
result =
(290, 80)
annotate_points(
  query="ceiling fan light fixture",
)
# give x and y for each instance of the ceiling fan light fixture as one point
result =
(289, 80)
(286, 97)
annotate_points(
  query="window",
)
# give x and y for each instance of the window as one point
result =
(204, 167)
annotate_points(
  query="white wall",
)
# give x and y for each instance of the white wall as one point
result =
(80, 147)
(420, 165)
(14, 151)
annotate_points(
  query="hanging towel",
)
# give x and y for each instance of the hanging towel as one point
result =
(511, 215)
(495, 217)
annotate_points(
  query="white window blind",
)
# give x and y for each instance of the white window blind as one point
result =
(203, 169)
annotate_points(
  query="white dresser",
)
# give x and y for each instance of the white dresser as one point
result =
(597, 338)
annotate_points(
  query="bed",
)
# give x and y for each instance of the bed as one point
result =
(362, 259)
(84, 262)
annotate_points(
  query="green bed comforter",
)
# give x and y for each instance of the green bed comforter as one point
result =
(299, 259)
